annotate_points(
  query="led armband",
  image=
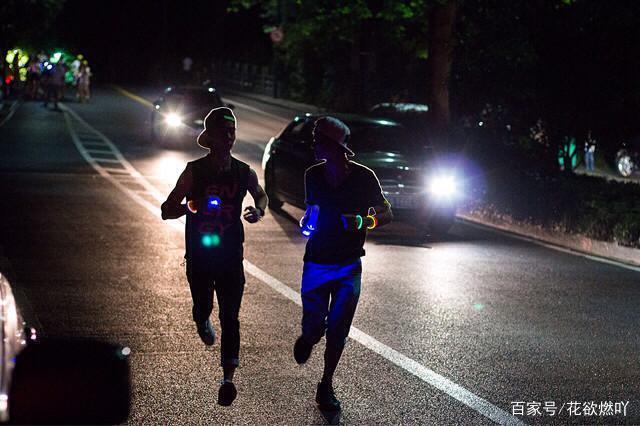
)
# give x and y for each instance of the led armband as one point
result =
(371, 214)
(311, 224)
(191, 206)
(374, 222)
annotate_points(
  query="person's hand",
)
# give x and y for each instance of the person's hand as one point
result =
(252, 214)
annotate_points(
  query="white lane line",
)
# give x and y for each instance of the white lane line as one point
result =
(114, 151)
(434, 379)
(91, 142)
(12, 110)
(96, 151)
(108, 160)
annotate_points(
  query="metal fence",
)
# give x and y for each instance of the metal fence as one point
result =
(245, 77)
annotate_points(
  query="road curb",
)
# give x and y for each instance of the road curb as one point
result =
(611, 252)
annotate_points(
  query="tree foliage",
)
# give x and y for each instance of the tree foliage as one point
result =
(350, 53)
(23, 20)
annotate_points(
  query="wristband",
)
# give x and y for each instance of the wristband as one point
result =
(374, 222)
(360, 221)
(191, 206)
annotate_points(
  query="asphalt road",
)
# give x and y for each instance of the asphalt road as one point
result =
(450, 331)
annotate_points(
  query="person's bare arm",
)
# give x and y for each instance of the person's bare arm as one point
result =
(172, 207)
(254, 214)
(383, 215)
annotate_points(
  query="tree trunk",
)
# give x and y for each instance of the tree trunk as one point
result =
(442, 20)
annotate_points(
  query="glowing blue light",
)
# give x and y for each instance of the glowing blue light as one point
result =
(214, 202)
(311, 223)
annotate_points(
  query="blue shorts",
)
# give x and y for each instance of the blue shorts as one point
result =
(330, 296)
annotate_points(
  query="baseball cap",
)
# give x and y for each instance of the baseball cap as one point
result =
(334, 129)
(215, 118)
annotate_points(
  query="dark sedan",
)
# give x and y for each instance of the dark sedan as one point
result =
(178, 115)
(418, 188)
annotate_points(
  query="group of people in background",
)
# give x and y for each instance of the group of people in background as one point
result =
(47, 77)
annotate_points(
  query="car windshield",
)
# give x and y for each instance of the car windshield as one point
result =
(368, 137)
(196, 98)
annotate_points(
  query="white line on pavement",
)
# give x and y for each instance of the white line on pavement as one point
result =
(12, 110)
(434, 379)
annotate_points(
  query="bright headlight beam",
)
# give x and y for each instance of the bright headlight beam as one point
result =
(443, 186)
(173, 120)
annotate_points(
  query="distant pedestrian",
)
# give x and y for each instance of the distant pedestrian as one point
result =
(84, 82)
(347, 199)
(33, 79)
(55, 84)
(589, 152)
(187, 65)
(214, 187)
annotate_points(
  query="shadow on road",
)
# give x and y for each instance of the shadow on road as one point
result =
(331, 417)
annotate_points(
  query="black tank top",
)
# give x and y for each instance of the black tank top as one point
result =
(215, 233)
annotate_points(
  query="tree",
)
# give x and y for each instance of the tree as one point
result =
(21, 21)
(350, 53)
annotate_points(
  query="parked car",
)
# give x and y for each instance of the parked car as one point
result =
(628, 158)
(46, 380)
(418, 186)
(178, 115)
(415, 117)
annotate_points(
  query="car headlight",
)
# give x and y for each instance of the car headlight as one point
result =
(443, 186)
(173, 120)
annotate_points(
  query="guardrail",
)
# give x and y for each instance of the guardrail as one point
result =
(258, 79)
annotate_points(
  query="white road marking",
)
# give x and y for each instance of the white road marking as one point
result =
(434, 379)
(107, 160)
(12, 110)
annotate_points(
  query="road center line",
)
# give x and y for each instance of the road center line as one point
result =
(427, 375)
(149, 104)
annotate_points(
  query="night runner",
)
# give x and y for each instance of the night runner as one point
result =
(214, 187)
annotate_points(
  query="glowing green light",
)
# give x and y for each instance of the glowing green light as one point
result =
(360, 221)
(568, 150)
(55, 57)
(210, 240)
(23, 59)
(478, 306)
(230, 118)
(11, 54)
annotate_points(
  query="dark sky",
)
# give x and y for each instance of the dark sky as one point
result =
(142, 40)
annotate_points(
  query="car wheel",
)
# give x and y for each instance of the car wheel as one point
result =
(624, 164)
(270, 188)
